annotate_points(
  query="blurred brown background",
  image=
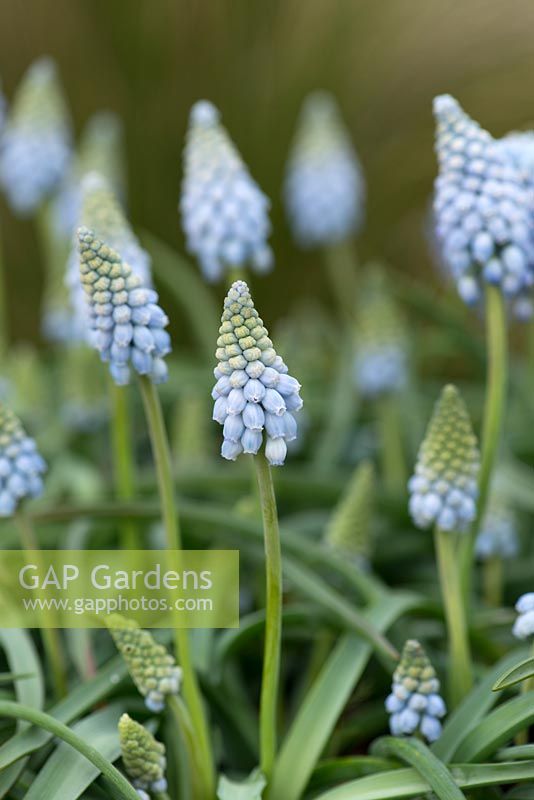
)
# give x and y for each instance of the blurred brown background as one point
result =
(151, 59)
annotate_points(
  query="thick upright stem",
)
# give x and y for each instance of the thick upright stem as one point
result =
(273, 623)
(496, 382)
(492, 570)
(123, 459)
(341, 264)
(460, 674)
(393, 462)
(162, 458)
(51, 640)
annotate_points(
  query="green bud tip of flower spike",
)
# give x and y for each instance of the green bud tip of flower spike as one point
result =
(348, 529)
(142, 755)
(153, 669)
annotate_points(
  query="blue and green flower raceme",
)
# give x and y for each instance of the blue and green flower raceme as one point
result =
(483, 208)
(21, 465)
(444, 487)
(100, 151)
(324, 187)
(254, 395)
(381, 357)
(153, 669)
(127, 326)
(225, 215)
(143, 757)
(415, 704)
(524, 624)
(36, 145)
(498, 534)
(101, 213)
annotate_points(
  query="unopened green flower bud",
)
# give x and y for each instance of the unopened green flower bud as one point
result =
(349, 527)
(142, 755)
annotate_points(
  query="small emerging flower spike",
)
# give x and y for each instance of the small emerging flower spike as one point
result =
(100, 151)
(415, 704)
(253, 394)
(224, 212)
(36, 142)
(21, 465)
(483, 208)
(381, 360)
(444, 488)
(127, 326)
(143, 757)
(153, 669)
(348, 531)
(324, 186)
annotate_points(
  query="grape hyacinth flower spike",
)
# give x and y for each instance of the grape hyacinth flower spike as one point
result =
(348, 531)
(153, 669)
(224, 212)
(324, 187)
(36, 141)
(524, 624)
(21, 465)
(127, 326)
(143, 758)
(483, 208)
(415, 704)
(444, 487)
(254, 395)
(381, 359)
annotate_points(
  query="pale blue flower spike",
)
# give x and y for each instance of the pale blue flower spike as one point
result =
(483, 208)
(21, 465)
(415, 705)
(254, 395)
(524, 624)
(498, 534)
(443, 490)
(36, 140)
(126, 323)
(225, 215)
(324, 188)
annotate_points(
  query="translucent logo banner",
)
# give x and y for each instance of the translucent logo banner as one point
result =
(156, 588)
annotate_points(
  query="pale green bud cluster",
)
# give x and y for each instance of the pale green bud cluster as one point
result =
(153, 669)
(444, 488)
(143, 756)
(349, 528)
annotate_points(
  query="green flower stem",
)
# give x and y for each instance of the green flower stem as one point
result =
(273, 622)
(51, 639)
(341, 264)
(492, 571)
(121, 787)
(162, 457)
(460, 675)
(183, 720)
(496, 382)
(394, 473)
(123, 459)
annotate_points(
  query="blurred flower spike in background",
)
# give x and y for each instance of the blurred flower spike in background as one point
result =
(36, 140)
(324, 186)
(224, 212)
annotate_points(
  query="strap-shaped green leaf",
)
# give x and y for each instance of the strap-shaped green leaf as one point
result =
(520, 672)
(431, 769)
(407, 783)
(497, 728)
